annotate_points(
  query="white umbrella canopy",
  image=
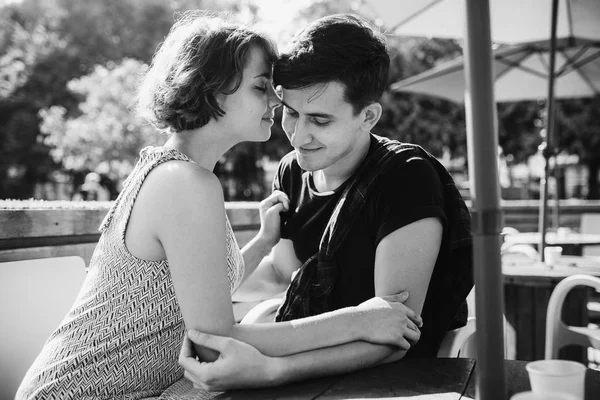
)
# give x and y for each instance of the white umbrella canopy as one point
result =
(512, 21)
(520, 73)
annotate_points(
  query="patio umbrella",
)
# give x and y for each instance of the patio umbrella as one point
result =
(512, 21)
(471, 18)
(520, 72)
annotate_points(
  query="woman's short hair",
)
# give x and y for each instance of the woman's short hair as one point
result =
(341, 48)
(202, 56)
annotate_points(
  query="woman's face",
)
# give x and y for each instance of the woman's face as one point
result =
(249, 111)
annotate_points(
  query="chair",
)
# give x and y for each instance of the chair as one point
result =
(558, 334)
(460, 342)
(35, 296)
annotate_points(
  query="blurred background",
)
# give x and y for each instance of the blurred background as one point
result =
(69, 69)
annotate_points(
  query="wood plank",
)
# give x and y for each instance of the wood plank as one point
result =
(84, 251)
(43, 223)
(409, 377)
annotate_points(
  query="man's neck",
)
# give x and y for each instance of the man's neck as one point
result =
(334, 176)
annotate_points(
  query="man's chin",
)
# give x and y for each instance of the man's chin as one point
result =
(305, 164)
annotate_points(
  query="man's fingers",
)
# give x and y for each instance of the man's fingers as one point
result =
(404, 344)
(412, 336)
(396, 298)
(415, 318)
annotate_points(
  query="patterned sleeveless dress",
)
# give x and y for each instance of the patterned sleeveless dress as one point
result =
(121, 338)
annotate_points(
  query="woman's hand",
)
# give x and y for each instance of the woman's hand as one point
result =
(270, 221)
(239, 365)
(386, 320)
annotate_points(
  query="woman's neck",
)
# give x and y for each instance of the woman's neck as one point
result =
(205, 146)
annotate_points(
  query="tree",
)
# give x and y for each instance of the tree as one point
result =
(46, 44)
(105, 131)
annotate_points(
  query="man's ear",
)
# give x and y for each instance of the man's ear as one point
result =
(370, 116)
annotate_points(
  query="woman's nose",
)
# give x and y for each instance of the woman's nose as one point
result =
(274, 100)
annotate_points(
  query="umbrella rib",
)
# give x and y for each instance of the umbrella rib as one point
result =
(517, 65)
(569, 18)
(416, 14)
(583, 76)
(570, 63)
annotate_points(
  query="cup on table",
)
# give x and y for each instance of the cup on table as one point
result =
(557, 376)
(552, 255)
(542, 396)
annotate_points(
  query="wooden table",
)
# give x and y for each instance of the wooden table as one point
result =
(420, 378)
(518, 381)
(527, 288)
(433, 378)
(571, 242)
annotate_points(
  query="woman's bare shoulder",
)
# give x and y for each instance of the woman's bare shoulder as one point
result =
(181, 179)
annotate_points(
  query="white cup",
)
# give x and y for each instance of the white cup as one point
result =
(557, 376)
(542, 396)
(552, 255)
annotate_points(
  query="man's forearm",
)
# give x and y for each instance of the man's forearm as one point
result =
(335, 360)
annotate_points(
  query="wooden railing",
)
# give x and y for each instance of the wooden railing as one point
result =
(44, 229)
(48, 229)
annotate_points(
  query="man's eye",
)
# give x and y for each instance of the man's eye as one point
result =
(321, 122)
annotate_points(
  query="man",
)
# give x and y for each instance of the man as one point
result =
(367, 217)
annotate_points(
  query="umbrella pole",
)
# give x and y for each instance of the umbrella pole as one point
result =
(482, 144)
(548, 150)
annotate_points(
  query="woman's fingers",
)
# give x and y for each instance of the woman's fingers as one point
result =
(275, 198)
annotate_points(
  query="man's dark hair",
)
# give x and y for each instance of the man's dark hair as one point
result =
(343, 48)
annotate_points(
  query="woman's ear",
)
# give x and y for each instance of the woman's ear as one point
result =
(371, 115)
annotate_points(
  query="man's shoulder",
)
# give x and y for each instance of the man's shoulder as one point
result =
(401, 150)
(289, 161)
(289, 174)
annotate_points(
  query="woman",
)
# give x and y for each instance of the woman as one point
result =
(167, 259)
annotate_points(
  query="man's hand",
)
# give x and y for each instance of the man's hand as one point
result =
(386, 320)
(239, 365)
(270, 221)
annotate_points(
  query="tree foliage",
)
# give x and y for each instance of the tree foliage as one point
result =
(106, 130)
(68, 69)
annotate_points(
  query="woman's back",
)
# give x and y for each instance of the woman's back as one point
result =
(123, 334)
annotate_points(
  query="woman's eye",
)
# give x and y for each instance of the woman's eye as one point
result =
(291, 112)
(261, 89)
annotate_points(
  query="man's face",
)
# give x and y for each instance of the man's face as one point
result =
(322, 127)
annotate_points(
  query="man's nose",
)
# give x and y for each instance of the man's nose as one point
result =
(299, 135)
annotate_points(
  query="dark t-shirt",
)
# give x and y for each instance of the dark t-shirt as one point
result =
(405, 194)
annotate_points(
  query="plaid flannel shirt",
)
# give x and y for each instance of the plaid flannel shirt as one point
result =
(309, 292)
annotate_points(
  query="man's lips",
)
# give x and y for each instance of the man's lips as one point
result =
(303, 150)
